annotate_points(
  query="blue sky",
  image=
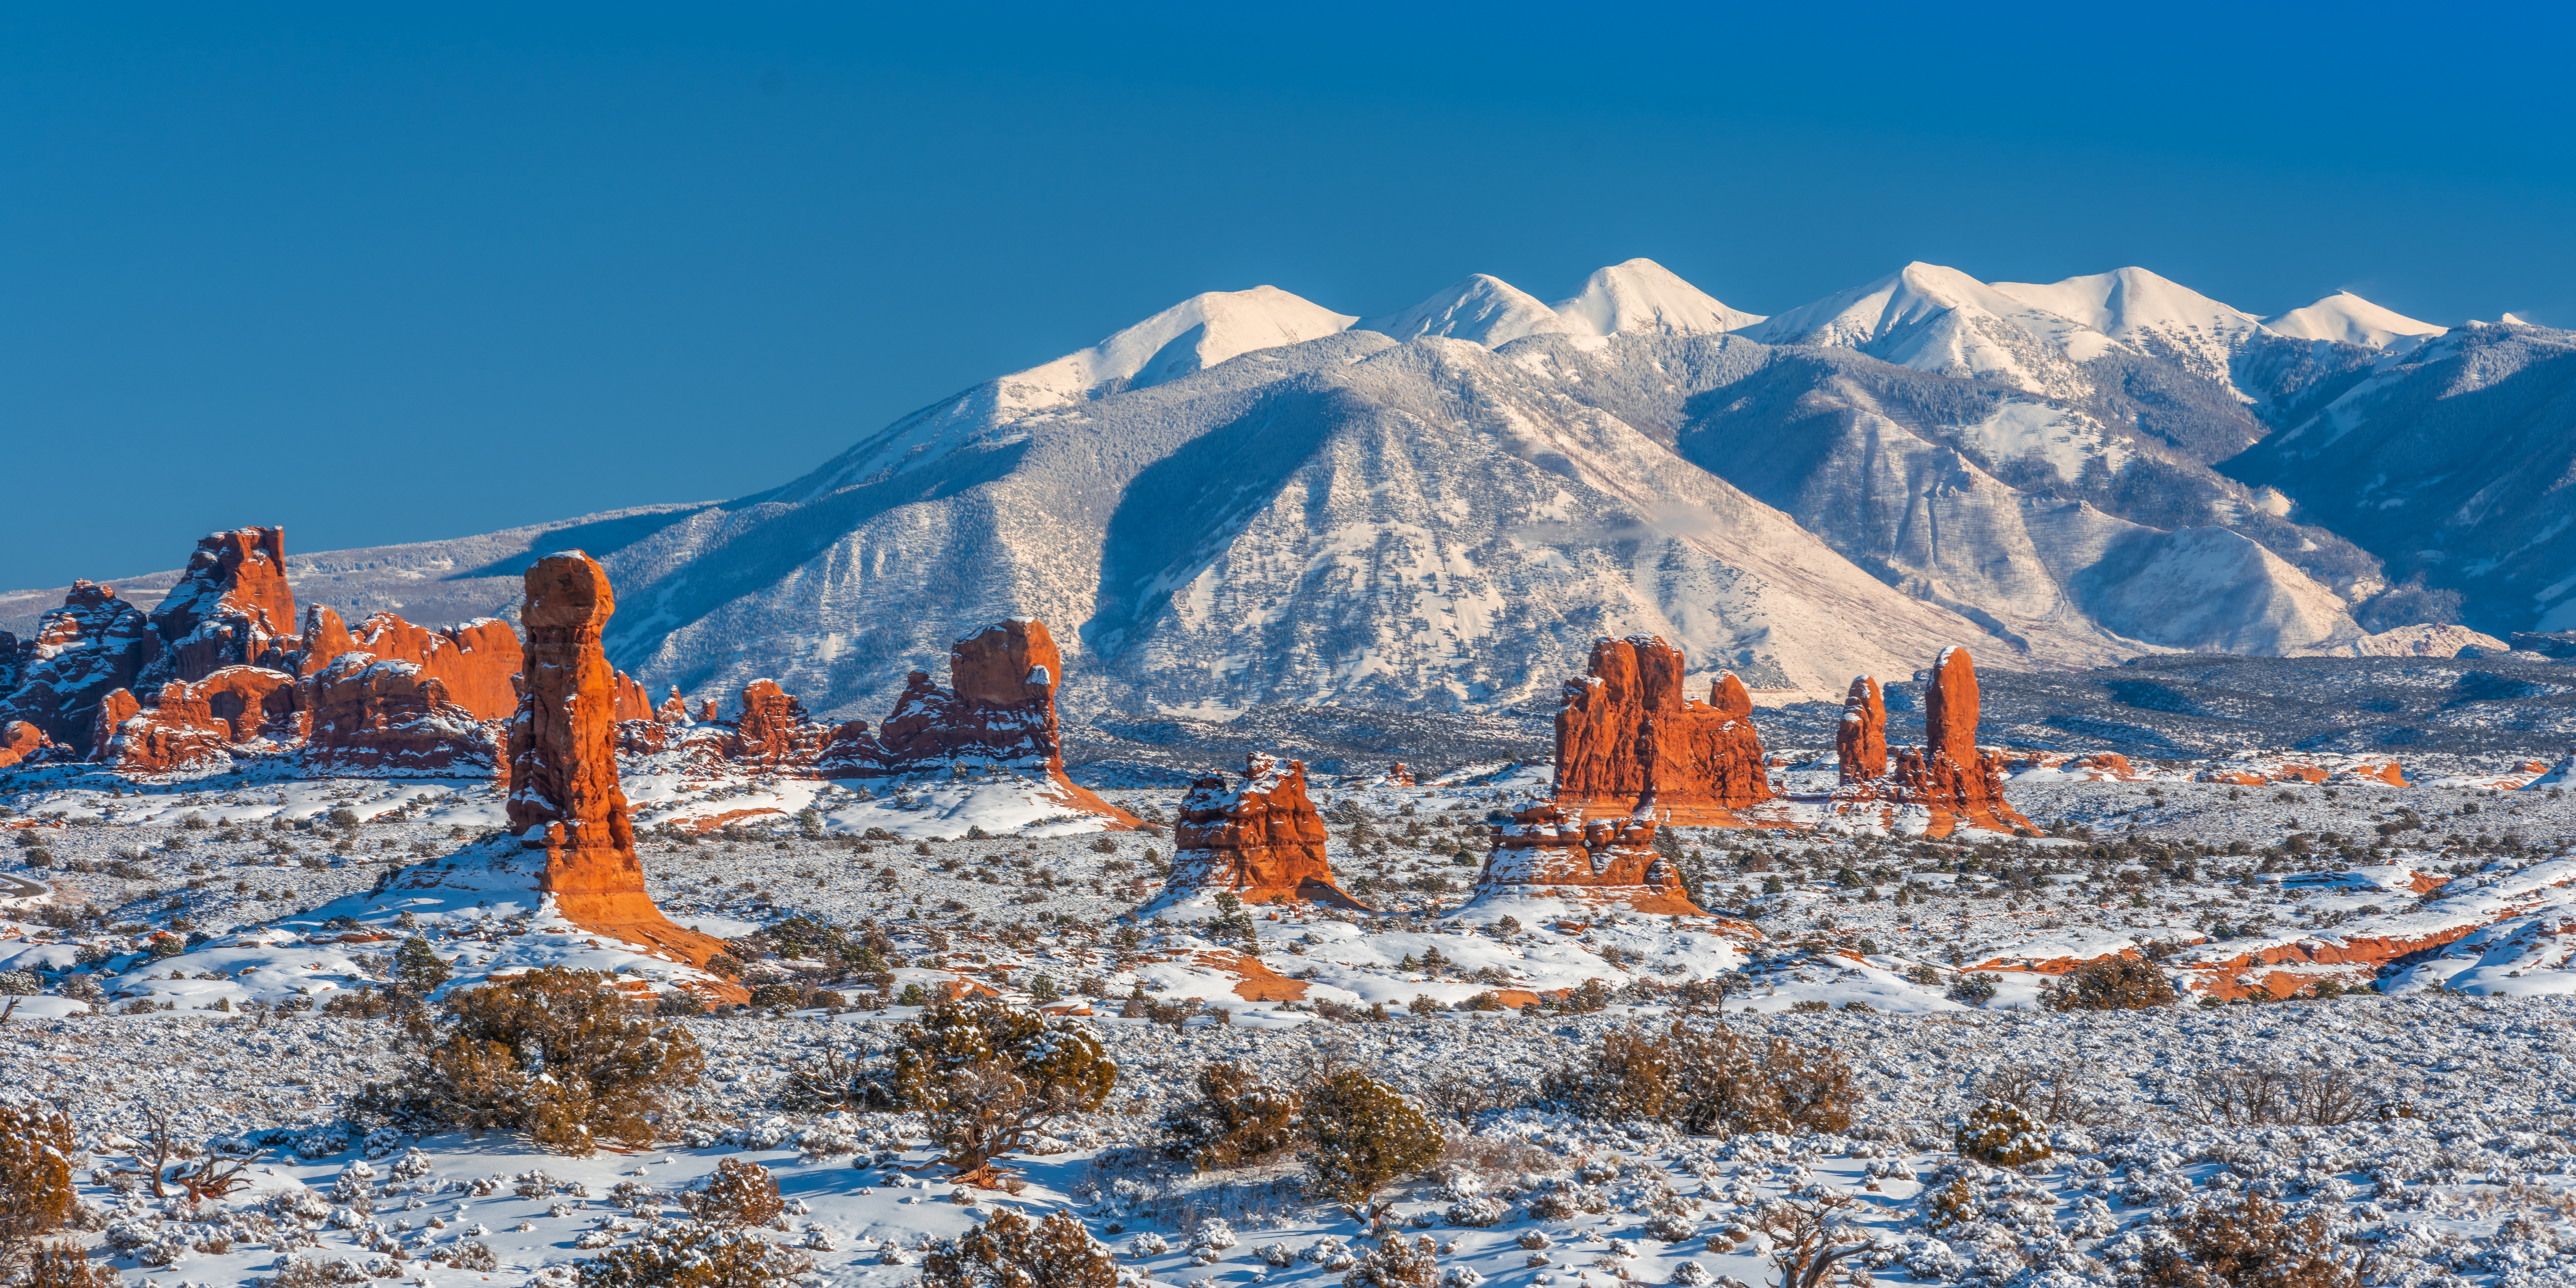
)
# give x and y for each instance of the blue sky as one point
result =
(395, 272)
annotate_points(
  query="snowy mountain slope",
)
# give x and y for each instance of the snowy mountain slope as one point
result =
(1199, 332)
(2449, 460)
(1943, 321)
(1962, 493)
(2346, 318)
(1642, 297)
(1481, 308)
(1347, 520)
(2146, 312)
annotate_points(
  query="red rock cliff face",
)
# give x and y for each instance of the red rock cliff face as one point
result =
(1261, 840)
(1948, 773)
(232, 607)
(21, 742)
(90, 647)
(563, 762)
(1608, 862)
(371, 715)
(199, 725)
(1628, 740)
(477, 662)
(1861, 743)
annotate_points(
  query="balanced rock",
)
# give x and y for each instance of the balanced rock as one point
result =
(93, 645)
(1861, 743)
(371, 715)
(1629, 741)
(1605, 863)
(1260, 839)
(1947, 774)
(232, 607)
(564, 794)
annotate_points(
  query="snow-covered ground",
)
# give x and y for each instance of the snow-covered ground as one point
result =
(188, 938)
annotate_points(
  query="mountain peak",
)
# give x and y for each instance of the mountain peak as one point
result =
(1479, 307)
(1193, 335)
(2346, 318)
(1641, 296)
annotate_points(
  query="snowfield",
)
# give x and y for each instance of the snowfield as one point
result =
(181, 945)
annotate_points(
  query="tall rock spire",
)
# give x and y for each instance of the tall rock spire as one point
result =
(1861, 742)
(564, 795)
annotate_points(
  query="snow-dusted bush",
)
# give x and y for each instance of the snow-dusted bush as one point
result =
(1234, 1120)
(2250, 1245)
(2111, 984)
(67, 1265)
(1394, 1263)
(986, 1075)
(2001, 1133)
(691, 1255)
(35, 1174)
(738, 1194)
(559, 1054)
(1009, 1251)
(1363, 1135)
(1710, 1082)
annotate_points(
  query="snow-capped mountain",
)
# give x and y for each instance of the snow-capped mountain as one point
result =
(2346, 318)
(1247, 499)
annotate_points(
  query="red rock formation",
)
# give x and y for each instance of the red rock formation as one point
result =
(1397, 776)
(94, 644)
(232, 607)
(371, 715)
(563, 763)
(674, 709)
(1861, 743)
(1261, 840)
(633, 703)
(773, 733)
(1627, 740)
(1958, 783)
(477, 661)
(707, 710)
(252, 702)
(178, 733)
(21, 742)
(1608, 862)
(325, 637)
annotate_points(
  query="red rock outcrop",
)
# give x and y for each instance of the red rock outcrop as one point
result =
(772, 733)
(674, 709)
(477, 662)
(564, 794)
(1947, 774)
(232, 607)
(1628, 741)
(633, 703)
(1261, 839)
(93, 645)
(21, 742)
(371, 715)
(179, 733)
(1861, 743)
(1397, 776)
(1607, 862)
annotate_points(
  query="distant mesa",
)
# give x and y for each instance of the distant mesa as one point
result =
(1260, 840)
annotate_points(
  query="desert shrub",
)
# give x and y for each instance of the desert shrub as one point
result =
(1394, 1263)
(2051, 1093)
(35, 1174)
(556, 1053)
(1464, 1097)
(473, 1254)
(2002, 1133)
(1362, 1135)
(1810, 1236)
(738, 1194)
(1974, 990)
(2241, 1095)
(67, 1265)
(417, 971)
(2111, 984)
(2249, 1246)
(1011, 1252)
(1235, 1120)
(1709, 1082)
(986, 1075)
(694, 1255)
(312, 1272)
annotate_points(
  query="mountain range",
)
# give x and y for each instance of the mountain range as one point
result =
(1249, 498)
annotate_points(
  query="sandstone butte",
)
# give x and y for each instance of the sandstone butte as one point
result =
(564, 796)
(1860, 744)
(90, 647)
(1629, 742)
(1947, 774)
(1607, 863)
(1260, 840)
